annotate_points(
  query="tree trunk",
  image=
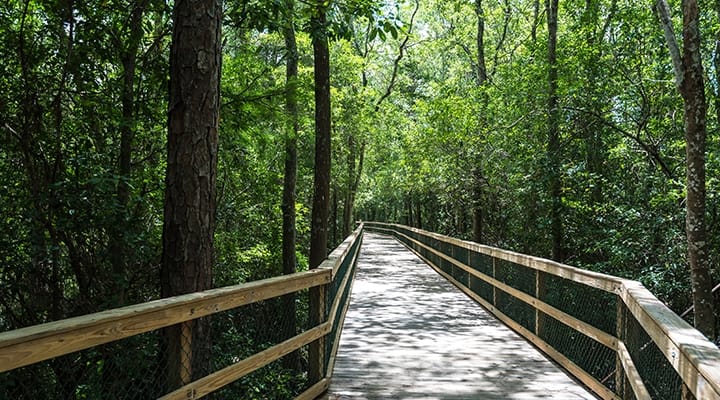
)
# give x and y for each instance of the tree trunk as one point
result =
(553, 144)
(536, 19)
(193, 115)
(480, 81)
(321, 193)
(690, 83)
(289, 236)
(353, 182)
(118, 243)
(693, 93)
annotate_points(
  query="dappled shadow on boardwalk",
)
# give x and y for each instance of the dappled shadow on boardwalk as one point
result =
(409, 334)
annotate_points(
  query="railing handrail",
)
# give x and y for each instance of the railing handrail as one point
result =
(696, 359)
(33, 344)
(37, 343)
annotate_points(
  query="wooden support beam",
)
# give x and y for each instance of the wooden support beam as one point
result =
(41, 342)
(217, 380)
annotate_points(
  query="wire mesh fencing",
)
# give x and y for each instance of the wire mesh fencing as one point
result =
(579, 318)
(249, 341)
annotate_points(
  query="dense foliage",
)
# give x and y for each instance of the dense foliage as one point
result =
(416, 139)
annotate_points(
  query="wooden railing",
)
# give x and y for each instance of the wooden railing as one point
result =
(610, 333)
(332, 280)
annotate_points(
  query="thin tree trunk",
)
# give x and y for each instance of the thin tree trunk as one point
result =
(480, 81)
(195, 60)
(553, 144)
(690, 83)
(118, 243)
(536, 20)
(693, 92)
(289, 237)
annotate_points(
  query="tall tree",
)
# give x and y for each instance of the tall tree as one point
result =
(290, 176)
(553, 143)
(128, 58)
(321, 183)
(691, 85)
(193, 116)
(481, 77)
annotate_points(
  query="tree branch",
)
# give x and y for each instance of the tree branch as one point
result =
(396, 64)
(662, 10)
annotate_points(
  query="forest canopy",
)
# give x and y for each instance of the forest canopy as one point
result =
(555, 129)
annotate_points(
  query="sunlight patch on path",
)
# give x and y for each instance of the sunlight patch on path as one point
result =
(409, 334)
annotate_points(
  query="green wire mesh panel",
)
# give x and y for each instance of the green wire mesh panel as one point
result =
(594, 306)
(516, 309)
(517, 276)
(250, 329)
(594, 358)
(128, 369)
(345, 270)
(659, 376)
(460, 254)
(271, 382)
(481, 263)
(520, 278)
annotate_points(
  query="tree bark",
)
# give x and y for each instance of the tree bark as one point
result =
(481, 77)
(354, 165)
(553, 144)
(289, 237)
(321, 184)
(690, 82)
(321, 193)
(693, 93)
(193, 115)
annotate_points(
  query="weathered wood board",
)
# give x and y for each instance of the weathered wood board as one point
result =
(410, 334)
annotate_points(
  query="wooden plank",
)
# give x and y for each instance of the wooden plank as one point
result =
(336, 342)
(217, 380)
(409, 333)
(631, 373)
(343, 286)
(587, 379)
(336, 257)
(316, 350)
(41, 342)
(580, 326)
(315, 390)
(695, 358)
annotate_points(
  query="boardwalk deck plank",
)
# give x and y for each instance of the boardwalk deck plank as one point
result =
(409, 334)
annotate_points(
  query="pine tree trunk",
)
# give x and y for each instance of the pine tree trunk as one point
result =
(195, 60)
(321, 193)
(553, 144)
(289, 237)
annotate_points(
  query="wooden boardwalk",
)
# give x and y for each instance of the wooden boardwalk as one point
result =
(410, 334)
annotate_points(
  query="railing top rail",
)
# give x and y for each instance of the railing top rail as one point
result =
(595, 279)
(333, 261)
(40, 342)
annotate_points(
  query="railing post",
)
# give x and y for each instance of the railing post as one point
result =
(620, 388)
(316, 349)
(540, 291)
(494, 275)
